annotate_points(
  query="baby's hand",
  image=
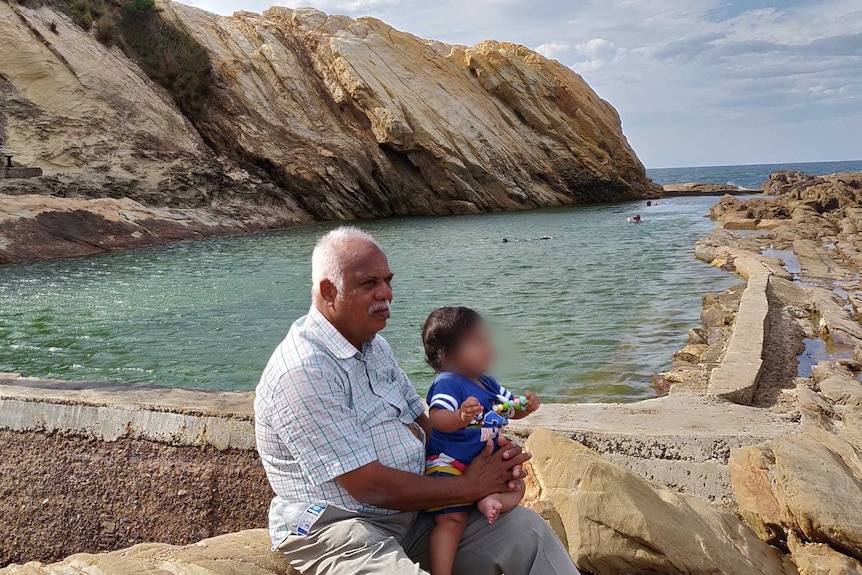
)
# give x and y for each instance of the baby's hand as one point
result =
(533, 401)
(469, 410)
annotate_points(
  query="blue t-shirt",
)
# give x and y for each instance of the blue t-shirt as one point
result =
(449, 391)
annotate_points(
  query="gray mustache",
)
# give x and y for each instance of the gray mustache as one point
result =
(380, 306)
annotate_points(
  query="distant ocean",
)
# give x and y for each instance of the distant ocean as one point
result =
(750, 176)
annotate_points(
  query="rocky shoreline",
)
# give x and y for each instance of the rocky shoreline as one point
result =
(752, 463)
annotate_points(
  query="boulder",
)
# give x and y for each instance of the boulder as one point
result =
(809, 484)
(615, 522)
(841, 389)
(241, 553)
(819, 559)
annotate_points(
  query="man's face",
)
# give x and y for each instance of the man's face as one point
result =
(363, 308)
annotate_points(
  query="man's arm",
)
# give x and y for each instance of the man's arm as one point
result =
(375, 484)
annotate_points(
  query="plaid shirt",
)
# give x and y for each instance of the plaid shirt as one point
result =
(323, 409)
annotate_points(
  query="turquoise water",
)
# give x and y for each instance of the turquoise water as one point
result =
(589, 315)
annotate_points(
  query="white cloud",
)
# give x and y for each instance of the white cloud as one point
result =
(342, 6)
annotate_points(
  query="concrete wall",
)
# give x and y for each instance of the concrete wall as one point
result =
(92, 467)
(736, 377)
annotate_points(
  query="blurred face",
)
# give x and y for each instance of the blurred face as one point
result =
(475, 353)
(362, 309)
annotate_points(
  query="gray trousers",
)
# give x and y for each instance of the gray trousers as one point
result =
(344, 543)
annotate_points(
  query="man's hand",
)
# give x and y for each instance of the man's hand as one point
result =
(498, 472)
(491, 472)
(469, 410)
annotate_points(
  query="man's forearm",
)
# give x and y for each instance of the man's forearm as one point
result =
(375, 484)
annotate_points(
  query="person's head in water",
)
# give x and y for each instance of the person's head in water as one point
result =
(351, 283)
(456, 339)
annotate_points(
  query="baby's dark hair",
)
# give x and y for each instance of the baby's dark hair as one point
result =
(443, 331)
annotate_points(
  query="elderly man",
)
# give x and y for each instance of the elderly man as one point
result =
(341, 433)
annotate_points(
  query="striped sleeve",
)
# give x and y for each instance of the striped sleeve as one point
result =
(444, 401)
(446, 393)
(492, 383)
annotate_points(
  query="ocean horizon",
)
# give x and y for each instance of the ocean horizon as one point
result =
(750, 176)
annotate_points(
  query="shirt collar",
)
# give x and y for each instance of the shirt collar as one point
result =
(336, 343)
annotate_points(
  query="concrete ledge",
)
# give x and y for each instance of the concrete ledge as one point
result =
(682, 441)
(736, 377)
(109, 412)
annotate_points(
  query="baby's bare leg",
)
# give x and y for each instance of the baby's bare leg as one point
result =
(444, 540)
(493, 505)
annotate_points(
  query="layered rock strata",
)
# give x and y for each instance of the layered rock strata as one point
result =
(308, 117)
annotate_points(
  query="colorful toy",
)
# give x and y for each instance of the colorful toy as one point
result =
(505, 405)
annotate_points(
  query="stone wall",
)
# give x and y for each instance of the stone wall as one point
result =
(736, 377)
(94, 467)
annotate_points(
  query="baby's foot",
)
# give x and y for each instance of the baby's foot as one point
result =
(490, 507)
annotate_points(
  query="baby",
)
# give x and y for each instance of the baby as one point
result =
(467, 409)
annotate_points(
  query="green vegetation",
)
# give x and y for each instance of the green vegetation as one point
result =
(140, 6)
(85, 12)
(168, 55)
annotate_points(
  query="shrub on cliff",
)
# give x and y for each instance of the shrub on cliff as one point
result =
(84, 12)
(169, 56)
(106, 29)
(140, 6)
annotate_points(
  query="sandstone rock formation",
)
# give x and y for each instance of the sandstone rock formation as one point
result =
(793, 196)
(615, 522)
(241, 553)
(800, 492)
(702, 189)
(36, 226)
(807, 488)
(309, 117)
(819, 559)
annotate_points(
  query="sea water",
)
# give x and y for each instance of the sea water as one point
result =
(589, 314)
(749, 176)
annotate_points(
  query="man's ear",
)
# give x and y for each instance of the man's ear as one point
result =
(328, 291)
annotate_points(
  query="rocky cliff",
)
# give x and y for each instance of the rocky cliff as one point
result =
(306, 116)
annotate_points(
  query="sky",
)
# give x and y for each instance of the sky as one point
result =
(697, 82)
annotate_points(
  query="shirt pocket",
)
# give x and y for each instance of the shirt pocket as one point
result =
(385, 386)
(370, 406)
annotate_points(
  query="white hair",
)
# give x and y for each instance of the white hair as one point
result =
(327, 259)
